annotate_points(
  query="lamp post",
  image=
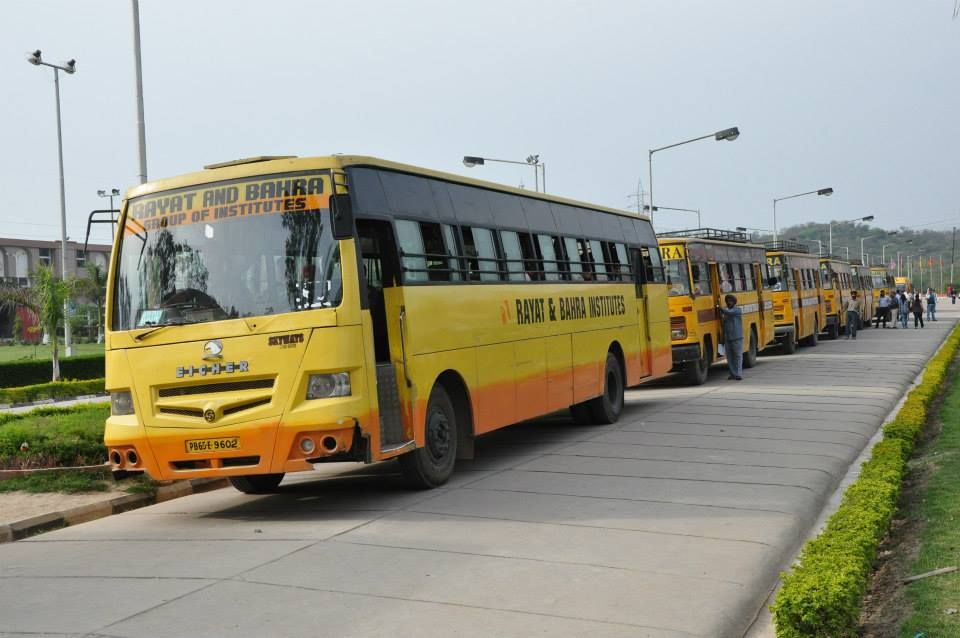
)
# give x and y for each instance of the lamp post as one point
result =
(868, 218)
(683, 210)
(113, 192)
(69, 67)
(819, 245)
(820, 191)
(728, 134)
(532, 160)
(138, 72)
(745, 229)
(846, 253)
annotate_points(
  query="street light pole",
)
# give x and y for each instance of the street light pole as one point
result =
(113, 192)
(728, 134)
(138, 69)
(868, 218)
(828, 191)
(532, 160)
(69, 67)
(683, 210)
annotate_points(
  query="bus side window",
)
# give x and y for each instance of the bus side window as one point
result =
(574, 265)
(652, 266)
(449, 236)
(512, 255)
(435, 253)
(480, 253)
(411, 249)
(599, 263)
(726, 277)
(532, 261)
(560, 254)
(547, 252)
(701, 278)
(624, 263)
(586, 259)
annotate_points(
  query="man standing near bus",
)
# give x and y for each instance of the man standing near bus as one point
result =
(852, 306)
(733, 336)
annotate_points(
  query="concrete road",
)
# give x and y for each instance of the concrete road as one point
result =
(674, 522)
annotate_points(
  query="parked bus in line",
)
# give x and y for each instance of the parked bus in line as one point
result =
(837, 284)
(903, 284)
(269, 314)
(797, 294)
(863, 284)
(882, 280)
(702, 266)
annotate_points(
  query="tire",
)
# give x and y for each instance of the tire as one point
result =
(696, 372)
(432, 465)
(257, 483)
(833, 330)
(750, 356)
(581, 413)
(790, 343)
(811, 340)
(606, 408)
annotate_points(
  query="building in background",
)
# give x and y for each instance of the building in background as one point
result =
(19, 258)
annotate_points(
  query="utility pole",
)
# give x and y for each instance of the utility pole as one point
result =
(953, 254)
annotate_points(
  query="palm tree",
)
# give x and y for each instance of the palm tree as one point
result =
(94, 288)
(45, 299)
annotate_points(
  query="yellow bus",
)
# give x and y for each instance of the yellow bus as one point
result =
(903, 284)
(797, 294)
(702, 266)
(270, 314)
(882, 280)
(837, 284)
(863, 284)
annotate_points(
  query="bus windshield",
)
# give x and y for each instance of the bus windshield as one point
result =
(273, 255)
(677, 277)
(826, 277)
(781, 273)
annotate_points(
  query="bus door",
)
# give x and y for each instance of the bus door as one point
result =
(381, 269)
(765, 329)
(799, 310)
(643, 273)
(718, 295)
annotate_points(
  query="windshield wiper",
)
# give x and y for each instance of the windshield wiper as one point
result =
(159, 326)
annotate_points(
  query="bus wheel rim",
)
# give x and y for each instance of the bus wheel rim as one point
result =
(438, 435)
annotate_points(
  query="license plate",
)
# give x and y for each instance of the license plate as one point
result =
(225, 444)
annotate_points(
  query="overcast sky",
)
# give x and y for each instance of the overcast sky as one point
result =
(860, 96)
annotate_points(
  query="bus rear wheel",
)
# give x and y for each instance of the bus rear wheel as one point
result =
(790, 341)
(432, 465)
(696, 372)
(833, 329)
(607, 407)
(750, 356)
(812, 339)
(257, 483)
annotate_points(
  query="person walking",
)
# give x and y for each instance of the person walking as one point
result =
(732, 317)
(904, 308)
(883, 309)
(917, 307)
(931, 305)
(852, 306)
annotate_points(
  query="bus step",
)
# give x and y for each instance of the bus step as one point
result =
(391, 421)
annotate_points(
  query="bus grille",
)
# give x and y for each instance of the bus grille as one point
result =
(210, 388)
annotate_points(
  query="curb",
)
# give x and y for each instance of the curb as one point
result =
(85, 513)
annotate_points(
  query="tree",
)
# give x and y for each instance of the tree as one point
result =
(93, 287)
(45, 299)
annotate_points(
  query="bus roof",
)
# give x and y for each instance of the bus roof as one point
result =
(267, 165)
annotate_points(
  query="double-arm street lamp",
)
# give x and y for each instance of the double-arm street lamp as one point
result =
(532, 160)
(728, 134)
(868, 218)
(69, 67)
(683, 210)
(820, 191)
(882, 254)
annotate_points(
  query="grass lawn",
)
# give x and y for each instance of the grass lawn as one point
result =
(936, 600)
(67, 482)
(54, 437)
(15, 353)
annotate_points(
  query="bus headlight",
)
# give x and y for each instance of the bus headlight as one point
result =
(325, 386)
(678, 328)
(121, 403)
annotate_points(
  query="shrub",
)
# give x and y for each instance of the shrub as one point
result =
(18, 373)
(54, 437)
(822, 595)
(52, 390)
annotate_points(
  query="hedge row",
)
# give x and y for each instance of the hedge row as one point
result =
(52, 390)
(822, 596)
(53, 437)
(33, 371)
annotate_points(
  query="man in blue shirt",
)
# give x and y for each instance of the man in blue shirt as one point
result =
(733, 336)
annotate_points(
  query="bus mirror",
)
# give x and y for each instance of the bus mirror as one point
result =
(342, 212)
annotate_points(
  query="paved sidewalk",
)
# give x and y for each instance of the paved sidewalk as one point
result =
(674, 522)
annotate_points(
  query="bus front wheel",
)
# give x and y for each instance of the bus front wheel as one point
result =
(696, 372)
(607, 407)
(432, 465)
(257, 483)
(750, 356)
(790, 341)
(833, 329)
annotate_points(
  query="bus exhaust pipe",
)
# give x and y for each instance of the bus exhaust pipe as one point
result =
(329, 443)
